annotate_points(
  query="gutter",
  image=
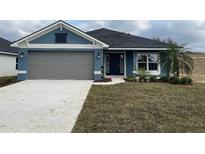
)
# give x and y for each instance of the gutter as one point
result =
(8, 53)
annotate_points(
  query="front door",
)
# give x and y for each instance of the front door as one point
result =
(115, 64)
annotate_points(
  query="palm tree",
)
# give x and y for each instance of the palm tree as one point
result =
(177, 60)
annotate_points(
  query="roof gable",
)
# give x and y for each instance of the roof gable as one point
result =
(61, 25)
(49, 38)
(117, 39)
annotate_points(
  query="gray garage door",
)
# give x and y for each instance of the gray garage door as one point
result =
(60, 65)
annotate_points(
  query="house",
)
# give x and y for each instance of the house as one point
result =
(62, 51)
(7, 58)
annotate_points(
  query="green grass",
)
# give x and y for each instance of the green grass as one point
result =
(143, 107)
(4, 81)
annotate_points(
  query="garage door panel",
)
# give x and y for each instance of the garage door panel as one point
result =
(60, 65)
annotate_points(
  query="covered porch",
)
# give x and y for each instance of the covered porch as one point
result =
(124, 63)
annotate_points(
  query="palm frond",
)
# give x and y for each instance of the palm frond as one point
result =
(178, 59)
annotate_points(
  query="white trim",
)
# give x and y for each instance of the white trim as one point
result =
(147, 49)
(61, 27)
(115, 76)
(56, 46)
(97, 72)
(22, 71)
(8, 53)
(150, 72)
(58, 25)
(125, 64)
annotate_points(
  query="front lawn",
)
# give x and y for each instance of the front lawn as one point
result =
(4, 81)
(143, 107)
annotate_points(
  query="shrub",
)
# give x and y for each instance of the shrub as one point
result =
(130, 79)
(186, 80)
(142, 74)
(175, 80)
(147, 78)
(153, 78)
(164, 79)
(189, 80)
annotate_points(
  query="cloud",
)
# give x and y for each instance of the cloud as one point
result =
(189, 32)
(129, 26)
(15, 29)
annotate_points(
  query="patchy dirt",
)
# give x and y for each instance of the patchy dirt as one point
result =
(143, 107)
(198, 74)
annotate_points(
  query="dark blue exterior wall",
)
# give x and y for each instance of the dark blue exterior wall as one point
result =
(22, 64)
(129, 63)
(163, 67)
(98, 59)
(134, 64)
(98, 62)
(72, 38)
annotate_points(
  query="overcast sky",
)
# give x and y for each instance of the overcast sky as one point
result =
(189, 32)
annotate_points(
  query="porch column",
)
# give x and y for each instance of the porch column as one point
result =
(134, 64)
(98, 60)
(22, 64)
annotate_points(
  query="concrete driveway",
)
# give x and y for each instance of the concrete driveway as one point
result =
(42, 105)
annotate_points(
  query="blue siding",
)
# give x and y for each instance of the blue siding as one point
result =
(134, 63)
(72, 38)
(22, 64)
(163, 68)
(98, 63)
(129, 63)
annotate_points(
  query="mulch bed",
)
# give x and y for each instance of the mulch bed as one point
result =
(5, 81)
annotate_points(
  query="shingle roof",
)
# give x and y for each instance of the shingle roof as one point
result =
(117, 39)
(5, 46)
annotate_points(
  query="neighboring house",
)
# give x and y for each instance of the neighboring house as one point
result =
(7, 58)
(62, 51)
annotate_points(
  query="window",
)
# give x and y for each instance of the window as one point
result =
(148, 61)
(142, 61)
(17, 63)
(61, 38)
(153, 62)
